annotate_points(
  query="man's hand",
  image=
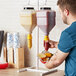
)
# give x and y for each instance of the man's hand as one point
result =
(53, 44)
(56, 59)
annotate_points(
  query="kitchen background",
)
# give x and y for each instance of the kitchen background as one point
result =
(10, 22)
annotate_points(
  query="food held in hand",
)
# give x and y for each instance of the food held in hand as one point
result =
(44, 57)
(48, 54)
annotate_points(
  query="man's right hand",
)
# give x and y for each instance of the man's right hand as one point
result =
(53, 44)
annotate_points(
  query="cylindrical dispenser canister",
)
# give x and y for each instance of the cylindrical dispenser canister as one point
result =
(16, 44)
(9, 43)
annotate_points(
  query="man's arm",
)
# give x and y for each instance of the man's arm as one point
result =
(56, 59)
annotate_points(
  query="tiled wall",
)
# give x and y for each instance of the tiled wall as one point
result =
(10, 22)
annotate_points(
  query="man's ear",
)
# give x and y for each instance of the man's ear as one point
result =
(66, 12)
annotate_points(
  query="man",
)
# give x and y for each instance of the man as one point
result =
(67, 44)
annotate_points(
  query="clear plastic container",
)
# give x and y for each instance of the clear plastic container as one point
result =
(46, 20)
(47, 56)
(28, 19)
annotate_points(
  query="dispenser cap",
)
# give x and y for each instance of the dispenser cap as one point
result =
(45, 8)
(29, 8)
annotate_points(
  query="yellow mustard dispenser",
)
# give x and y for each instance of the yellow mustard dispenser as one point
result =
(28, 21)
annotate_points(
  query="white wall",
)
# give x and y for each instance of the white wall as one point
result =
(10, 22)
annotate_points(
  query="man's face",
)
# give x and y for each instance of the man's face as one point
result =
(64, 18)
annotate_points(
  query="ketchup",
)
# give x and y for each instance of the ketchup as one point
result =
(46, 45)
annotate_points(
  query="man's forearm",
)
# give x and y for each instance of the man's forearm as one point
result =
(53, 62)
(56, 59)
(50, 64)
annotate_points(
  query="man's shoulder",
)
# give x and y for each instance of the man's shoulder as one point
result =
(71, 29)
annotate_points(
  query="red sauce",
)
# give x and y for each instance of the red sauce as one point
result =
(46, 45)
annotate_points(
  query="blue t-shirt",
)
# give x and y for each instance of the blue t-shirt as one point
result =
(67, 44)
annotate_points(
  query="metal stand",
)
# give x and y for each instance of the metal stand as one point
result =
(36, 69)
(42, 72)
(37, 60)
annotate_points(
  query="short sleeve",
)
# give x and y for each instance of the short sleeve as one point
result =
(65, 42)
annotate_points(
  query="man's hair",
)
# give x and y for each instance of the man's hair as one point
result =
(68, 4)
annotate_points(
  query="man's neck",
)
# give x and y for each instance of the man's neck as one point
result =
(71, 20)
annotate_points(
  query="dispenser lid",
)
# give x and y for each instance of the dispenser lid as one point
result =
(28, 8)
(42, 13)
(27, 11)
(45, 8)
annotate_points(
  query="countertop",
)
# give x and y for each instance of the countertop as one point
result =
(13, 72)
